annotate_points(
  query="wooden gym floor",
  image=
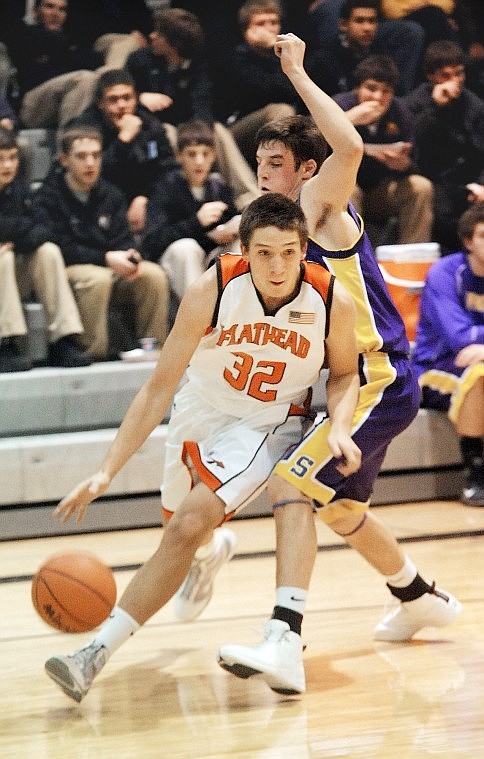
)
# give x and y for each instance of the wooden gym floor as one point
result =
(163, 694)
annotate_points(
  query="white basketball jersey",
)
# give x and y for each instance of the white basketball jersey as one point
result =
(251, 363)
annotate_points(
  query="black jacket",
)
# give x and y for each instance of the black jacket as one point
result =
(394, 126)
(449, 139)
(259, 80)
(40, 54)
(17, 224)
(83, 231)
(172, 213)
(189, 86)
(133, 166)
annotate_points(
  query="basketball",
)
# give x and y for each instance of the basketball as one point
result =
(73, 591)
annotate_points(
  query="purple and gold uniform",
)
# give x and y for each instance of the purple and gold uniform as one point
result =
(389, 393)
(451, 318)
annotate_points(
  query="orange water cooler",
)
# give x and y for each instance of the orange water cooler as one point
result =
(404, 268)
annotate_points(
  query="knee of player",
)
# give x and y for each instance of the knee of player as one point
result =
(187, 528)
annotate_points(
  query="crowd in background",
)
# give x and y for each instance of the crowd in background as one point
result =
(167, 99)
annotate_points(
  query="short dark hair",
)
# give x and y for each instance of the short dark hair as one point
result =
(348, 6)
(75, 132)
(442, 53)
(299, 134)
(381, 68)
(194, 133)
(8, 139)
(111, 78)
(272, 210)
(182, 29)
(252, 7)
(469, 220)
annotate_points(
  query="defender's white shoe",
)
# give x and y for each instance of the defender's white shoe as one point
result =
(435, 609)
(74, 674)
(277, 660)
(197, 588)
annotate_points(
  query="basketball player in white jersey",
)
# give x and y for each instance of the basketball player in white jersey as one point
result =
(252, 335)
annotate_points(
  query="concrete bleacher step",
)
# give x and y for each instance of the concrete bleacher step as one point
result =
(56, 425)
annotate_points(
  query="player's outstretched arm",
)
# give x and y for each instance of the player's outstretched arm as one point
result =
(337, 176)
(153, 399)
(343, 383)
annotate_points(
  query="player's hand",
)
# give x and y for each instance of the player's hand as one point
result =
(290, 50)
(79, 499)
(470, 355)
(345, 449)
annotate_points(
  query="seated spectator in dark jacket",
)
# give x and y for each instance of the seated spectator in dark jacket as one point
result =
(449, 138)
(388, 181)
(263, 92)
(171, 73)
(30, 264)
(172, 78)
(136, 149)
(191, 215)
(449, 350)
(402, 40)
(86, 217)
(332, 65)
(49, 62)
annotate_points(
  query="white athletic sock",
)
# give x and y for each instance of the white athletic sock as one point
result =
(404, 576)
(292, 598)
(116, 630)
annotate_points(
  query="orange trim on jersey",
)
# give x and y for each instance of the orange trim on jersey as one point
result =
(317, 276)
(305, 408)
(191, 450)
(231, 266)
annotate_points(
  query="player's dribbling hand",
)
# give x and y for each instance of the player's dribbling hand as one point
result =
(79, 499)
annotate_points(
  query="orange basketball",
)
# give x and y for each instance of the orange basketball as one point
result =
(74, 591)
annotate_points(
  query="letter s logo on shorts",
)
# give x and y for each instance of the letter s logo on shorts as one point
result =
(302, 466)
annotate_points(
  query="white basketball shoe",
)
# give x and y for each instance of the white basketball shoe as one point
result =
(435, 609)
(277, 660)
(197, 588)
(74, 674)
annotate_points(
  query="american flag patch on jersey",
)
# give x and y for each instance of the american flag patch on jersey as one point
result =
(302, 317)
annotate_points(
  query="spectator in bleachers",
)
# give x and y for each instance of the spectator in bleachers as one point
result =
(30, 264)
(263, 93)
(191, 216)
(332, 65)
(136, 149)
(388, 182)
(8, 117)
(174, 84)
(86, 216)
(449, 350)
(402, 40)
(49, 63)
(434, 16)
(449, 138)
(112, 27)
